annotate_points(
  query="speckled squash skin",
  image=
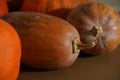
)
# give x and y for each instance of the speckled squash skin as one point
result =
(46, 40)
(86, 16)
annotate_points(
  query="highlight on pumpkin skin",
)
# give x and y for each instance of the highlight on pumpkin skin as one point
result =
(3, 7)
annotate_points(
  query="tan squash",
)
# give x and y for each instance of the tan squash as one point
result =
(95, 14)
(47, 42)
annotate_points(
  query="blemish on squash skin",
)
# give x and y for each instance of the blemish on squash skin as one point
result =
(34, 17)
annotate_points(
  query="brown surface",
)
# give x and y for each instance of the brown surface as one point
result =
(105, 67)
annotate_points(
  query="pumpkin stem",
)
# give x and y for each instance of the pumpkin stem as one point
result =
(77, 45)
(97, 31)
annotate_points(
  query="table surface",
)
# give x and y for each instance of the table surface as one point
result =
(104, 67)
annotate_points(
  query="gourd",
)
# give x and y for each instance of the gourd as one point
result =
(100, 15)
(47, 42)
(10, 52)
(58, 8)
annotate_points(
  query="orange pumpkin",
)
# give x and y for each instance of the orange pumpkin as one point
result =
(10, 52)
(95, 14)
(58, 8)
(3, 7)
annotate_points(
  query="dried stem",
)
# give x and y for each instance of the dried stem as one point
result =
(97, 31)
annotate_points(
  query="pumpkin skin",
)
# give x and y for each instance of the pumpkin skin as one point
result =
(14, 5)
(46, 40)
(86, 16)
(59, 8)
(10, 52)
(3, 7)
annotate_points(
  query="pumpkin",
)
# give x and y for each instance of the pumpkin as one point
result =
(14, 5)
(96, 14)
(47, 42)
(10, 52)
(58, 8)
(3, 7)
